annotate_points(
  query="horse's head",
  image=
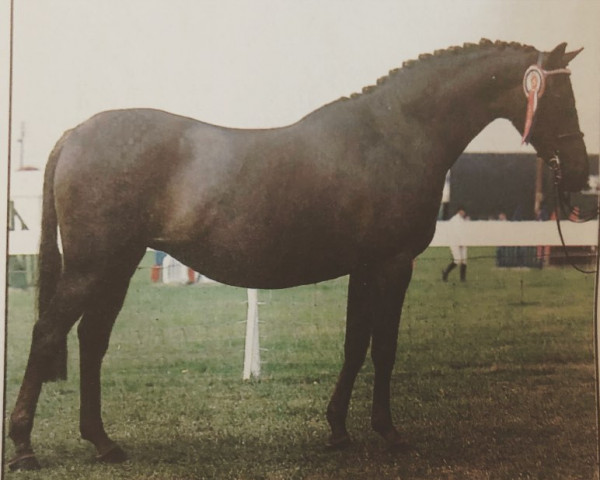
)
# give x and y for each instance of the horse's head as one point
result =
(555, 131)
(545, 114)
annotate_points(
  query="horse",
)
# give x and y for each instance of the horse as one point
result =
(352, 188)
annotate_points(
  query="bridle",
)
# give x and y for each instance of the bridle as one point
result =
(554, 161)
(534, 85)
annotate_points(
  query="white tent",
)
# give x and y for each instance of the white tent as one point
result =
(26, 197)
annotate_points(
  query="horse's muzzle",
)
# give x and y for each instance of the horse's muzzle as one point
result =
(574, 180)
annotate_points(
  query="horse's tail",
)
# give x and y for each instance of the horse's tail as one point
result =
(50, 260)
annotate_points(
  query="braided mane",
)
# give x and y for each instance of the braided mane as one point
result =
(450, 51)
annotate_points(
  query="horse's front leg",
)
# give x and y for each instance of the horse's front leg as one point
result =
(358, 335)
(390, 284)
(375, 297)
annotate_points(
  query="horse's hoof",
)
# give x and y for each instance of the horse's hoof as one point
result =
(395, 441)
(114, 455)
(400, 446)
(338, 442)
(24, 462)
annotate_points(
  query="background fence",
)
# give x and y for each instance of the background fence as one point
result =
(23, 244)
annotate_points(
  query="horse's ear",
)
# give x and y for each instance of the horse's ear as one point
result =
(555, 56)
(558, 58)
(567, 57)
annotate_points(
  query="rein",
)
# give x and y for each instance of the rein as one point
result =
(559, 204)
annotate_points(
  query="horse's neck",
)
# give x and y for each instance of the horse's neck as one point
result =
(444, 100)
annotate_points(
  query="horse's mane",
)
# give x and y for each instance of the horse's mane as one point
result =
(425, 58)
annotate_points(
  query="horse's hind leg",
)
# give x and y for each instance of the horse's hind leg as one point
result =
(73, 291)
(94, 333)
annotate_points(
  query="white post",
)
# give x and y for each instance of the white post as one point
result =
(252, 351)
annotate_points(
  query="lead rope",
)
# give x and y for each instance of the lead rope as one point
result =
(596, 349)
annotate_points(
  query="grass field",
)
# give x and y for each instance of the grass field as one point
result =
(494, 380)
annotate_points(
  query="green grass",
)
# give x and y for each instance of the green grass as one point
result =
(494, 380)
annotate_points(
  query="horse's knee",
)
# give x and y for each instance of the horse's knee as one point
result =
(91, 338)
(334, 413)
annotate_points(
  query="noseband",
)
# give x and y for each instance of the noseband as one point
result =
(554, 161)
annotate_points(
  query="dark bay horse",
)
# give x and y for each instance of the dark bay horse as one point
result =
(352, 188)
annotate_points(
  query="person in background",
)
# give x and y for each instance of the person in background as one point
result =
(502, 253)
(459, 252)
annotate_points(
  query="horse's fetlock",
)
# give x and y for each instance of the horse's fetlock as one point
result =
(381, 424)
(20, 427)
(91, 431)
(333, 414)
(86, 431)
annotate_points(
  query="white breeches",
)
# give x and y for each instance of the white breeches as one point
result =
(459, 254)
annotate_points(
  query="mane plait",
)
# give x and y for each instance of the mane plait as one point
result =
(423, 58)
(466, 47)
